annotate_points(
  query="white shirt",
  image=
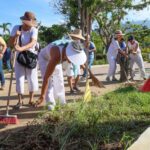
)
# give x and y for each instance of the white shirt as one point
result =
(133, 46)
(113, 48)
(26, 36)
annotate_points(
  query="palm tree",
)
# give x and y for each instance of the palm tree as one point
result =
(5, 28)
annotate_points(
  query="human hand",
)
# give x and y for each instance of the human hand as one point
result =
(1, 55)
(134, 52)
(39, 102)
(18, 48)
(126, 56)
(18, 33)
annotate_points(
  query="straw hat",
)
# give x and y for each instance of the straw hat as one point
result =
(29, 19)
(119, 32)
(77, 33)
(75, 53)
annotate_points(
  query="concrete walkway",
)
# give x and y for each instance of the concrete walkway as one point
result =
(143, 142)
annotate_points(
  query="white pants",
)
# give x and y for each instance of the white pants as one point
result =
(112, 65)
(137, 58)
(56, 88)
(32, 77)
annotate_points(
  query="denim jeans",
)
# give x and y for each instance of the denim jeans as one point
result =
(2, 79)
(90, 62)
(6, 58)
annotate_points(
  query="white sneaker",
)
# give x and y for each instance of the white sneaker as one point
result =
(82, 78)
(51, 107)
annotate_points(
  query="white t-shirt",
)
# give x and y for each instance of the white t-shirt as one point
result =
(113, 48)
(133, 46)
(26, 36)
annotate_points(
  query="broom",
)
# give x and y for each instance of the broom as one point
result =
(7, 118)
(95, 81)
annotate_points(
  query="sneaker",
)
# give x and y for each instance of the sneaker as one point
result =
(114, 79)
(107, 79)
(82, 78)
(72, 91)
(2, 87)
(76, 89)
(131, 79)
(51, 107)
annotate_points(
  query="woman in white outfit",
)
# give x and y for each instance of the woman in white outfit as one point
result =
(28, 36)
(112, 53)
(135, 57)
(50, 59)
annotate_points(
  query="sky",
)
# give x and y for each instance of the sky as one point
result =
(12, 10)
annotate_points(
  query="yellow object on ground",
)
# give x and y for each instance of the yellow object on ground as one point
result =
(87, 94)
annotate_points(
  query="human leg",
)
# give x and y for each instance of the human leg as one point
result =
(2, 78)
(49, 97)
(20, 76)
(112, 67)
(58, 84)
(140, 63)
(32, 78)
(131, 63)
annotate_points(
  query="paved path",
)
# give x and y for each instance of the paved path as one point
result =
(27, 113)
(143, 142)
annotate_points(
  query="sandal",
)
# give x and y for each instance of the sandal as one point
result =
(32, 103)
(18, 106)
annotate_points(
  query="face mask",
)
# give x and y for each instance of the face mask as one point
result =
(77, 41)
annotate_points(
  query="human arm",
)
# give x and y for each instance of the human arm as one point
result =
(54, 60)
(92, 47)
(33, 41)
(3, 44)
(117, 46)
(27, 46)
(15, 33)
(134, 50)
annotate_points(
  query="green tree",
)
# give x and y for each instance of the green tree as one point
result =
(50, 34)
(5, 28)
(139, 31)
(108, 14)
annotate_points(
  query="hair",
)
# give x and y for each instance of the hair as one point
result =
(130, 38)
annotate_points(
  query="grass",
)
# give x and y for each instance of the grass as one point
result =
(113, 121)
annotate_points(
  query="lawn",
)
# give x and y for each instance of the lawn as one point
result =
(113, 121)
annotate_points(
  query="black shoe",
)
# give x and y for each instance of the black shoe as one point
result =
(72, 91)
(114, 79)
(90, 77)
(76, 89)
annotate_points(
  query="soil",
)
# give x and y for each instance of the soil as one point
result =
(27, 113)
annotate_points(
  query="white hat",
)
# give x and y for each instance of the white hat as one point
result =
(75, 53)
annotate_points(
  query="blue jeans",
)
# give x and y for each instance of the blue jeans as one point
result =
(6, 58)
(90, 62)
(2, 79)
